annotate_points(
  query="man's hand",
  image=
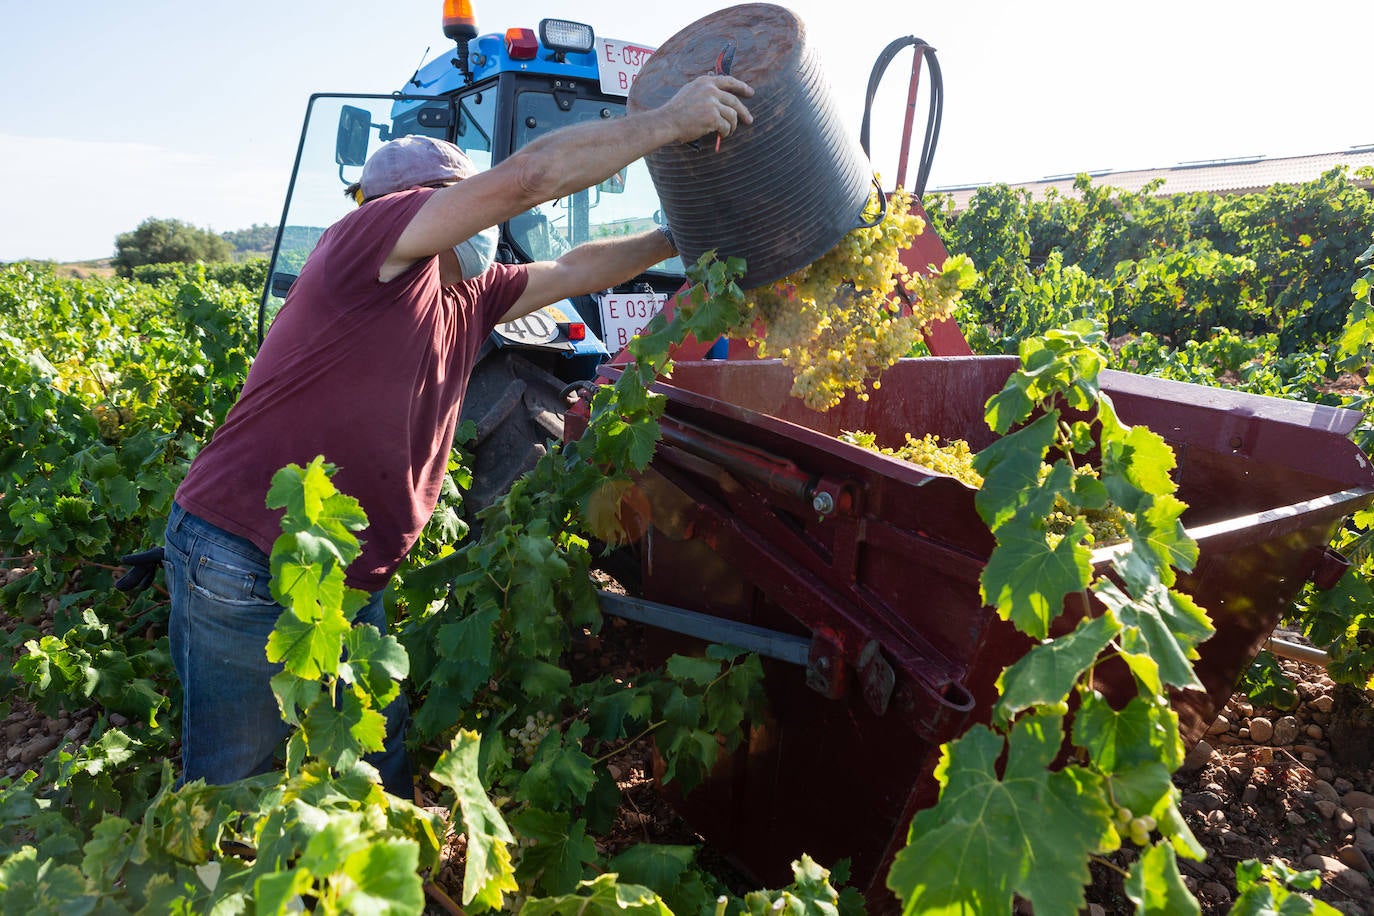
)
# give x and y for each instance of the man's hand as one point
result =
(709, 104)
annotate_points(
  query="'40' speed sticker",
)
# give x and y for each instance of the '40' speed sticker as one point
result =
(536, 328)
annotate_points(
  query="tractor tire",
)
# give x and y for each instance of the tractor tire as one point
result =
(517, 407)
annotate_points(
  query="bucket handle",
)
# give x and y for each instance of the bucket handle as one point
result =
(882, 207)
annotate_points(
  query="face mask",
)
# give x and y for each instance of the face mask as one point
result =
(476, 254)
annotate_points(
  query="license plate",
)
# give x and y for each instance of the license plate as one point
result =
(623, 315)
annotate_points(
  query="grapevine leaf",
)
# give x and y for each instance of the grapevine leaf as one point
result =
(376, 663)
(1169, 624)
(1158, 526)
(30, 886)
(653, 864)
(539, 679)
(337, 839)
(1267, 684)
(669, 871)
(488, 874)
(1009, 406)
(1047, 673)
(1029, 833)
(533, 602)
(384, 879)
(469, 642)
(107, 851)
(120, 495)
(1155, 885)
(700, 671)
(604, 896)
(1269, 890)
(1143, 731)
(279, 892)
(1011, 469)
(688, 754)
(561, 847)
(179, 824)
(732, 698)
(1026, 579)
(681, 708)
(294, 694)
(642, 440)
(432, 578)
(337, 734)
(1136, 462)
(600, 807)
(560, 773)
(609, 712)
(308, 647)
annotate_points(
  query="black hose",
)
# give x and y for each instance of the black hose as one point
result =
(937, 104)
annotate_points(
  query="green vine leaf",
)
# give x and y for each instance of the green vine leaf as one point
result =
(1027, 578)
(1146, 730)
(1166, 625)
(604, 896)
(488, 874)
(1028, 833)
(1155, 885)
(555, 862)
(561, 772)
(1011, 470)
(1046, 674)
(381, 878)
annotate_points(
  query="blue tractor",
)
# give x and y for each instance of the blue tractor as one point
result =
(491, 96)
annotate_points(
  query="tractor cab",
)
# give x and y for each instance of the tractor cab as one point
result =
(491, 96)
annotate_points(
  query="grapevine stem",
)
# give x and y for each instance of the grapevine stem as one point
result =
(436, 893)
(1107, 863)
(621, 748)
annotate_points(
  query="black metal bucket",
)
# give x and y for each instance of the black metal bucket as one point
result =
(780, 192)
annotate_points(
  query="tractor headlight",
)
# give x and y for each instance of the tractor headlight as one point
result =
(565, 36)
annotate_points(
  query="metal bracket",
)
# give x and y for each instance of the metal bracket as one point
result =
(876, 677)
(827, 673)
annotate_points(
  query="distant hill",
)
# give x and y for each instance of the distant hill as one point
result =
(256, 240)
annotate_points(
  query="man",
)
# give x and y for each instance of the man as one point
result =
(367, 364)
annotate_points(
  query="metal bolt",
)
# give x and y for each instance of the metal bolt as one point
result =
(823, 503)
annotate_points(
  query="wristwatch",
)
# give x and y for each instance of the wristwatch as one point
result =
(667, 234)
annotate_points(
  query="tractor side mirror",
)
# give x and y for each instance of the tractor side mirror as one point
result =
(350, 145)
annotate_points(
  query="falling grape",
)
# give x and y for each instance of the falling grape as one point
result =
(840, 321)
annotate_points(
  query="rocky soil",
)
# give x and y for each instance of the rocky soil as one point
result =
(1265, 784)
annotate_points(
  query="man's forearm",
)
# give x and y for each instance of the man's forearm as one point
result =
(604, 263)
(565, 161)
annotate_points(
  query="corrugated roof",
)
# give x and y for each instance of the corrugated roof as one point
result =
(1222, 176)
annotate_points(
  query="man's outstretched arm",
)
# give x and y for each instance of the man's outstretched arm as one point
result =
(567, 160)
(590, 267)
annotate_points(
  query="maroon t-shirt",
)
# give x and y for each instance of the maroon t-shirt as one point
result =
(369, 374)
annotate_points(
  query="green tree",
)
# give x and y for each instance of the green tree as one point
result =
(164, 241)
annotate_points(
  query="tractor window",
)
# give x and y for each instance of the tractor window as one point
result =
(476, 124)
(624, 204)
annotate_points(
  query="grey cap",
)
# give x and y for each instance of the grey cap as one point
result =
(408, 162)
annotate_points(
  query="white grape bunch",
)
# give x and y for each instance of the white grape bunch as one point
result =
(847, 316)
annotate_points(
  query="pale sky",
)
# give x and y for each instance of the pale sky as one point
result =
(114, 112)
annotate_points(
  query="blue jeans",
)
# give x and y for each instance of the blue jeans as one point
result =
(222, 613)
